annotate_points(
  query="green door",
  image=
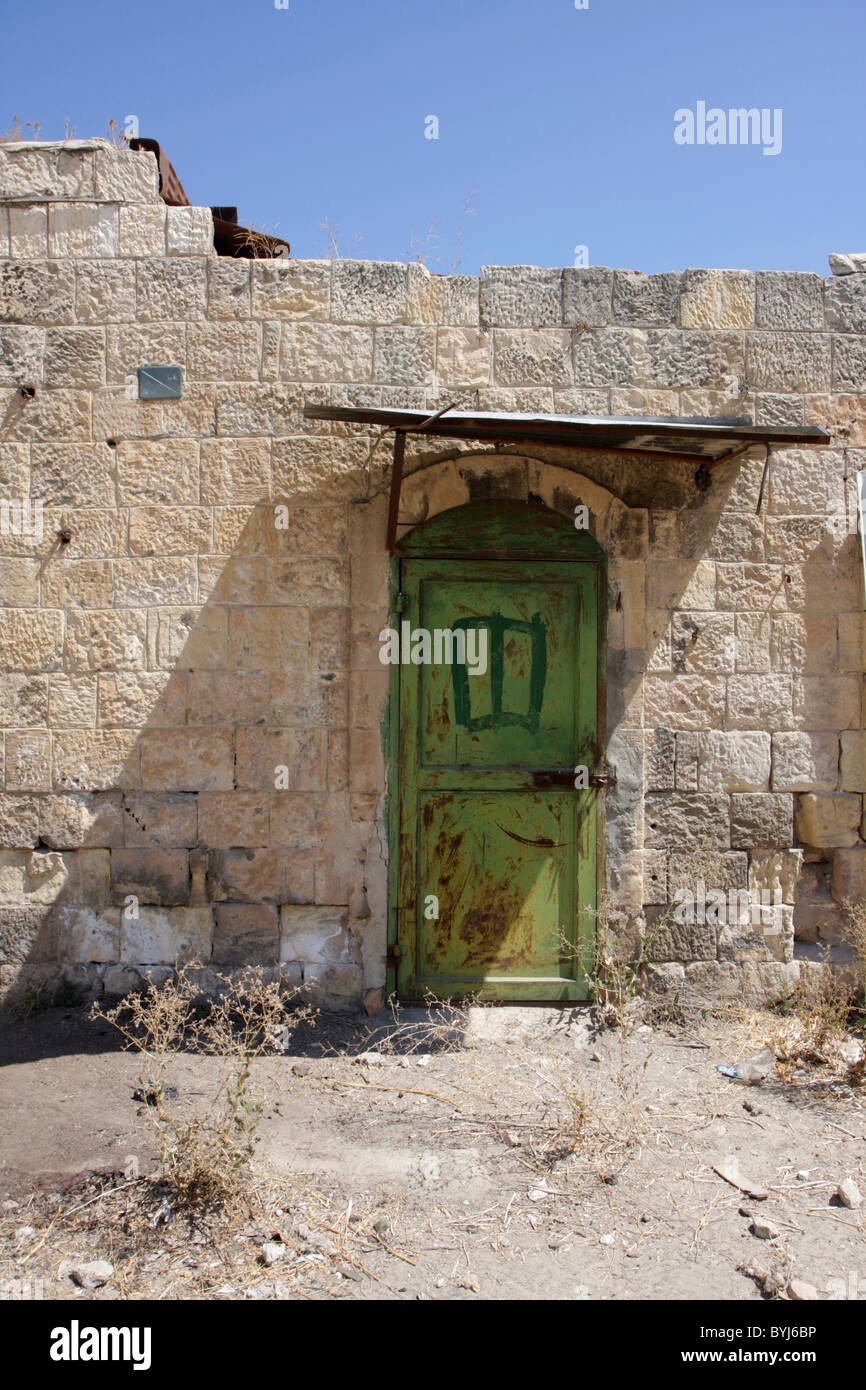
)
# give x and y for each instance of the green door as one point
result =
(497, 846)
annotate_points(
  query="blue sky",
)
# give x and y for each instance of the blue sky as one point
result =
(555, 124)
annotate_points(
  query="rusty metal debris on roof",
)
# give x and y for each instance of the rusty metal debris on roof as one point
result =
(229, 238)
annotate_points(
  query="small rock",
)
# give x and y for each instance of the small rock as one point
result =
(24, 1233)
(371, 1059)
(272, 1253)
(607, 1240)
(149, 1095)
(849, 1194)
(595, 1057)
(380, 1225)
(301, 1069)
(802, 1175)
(764, 1230)
(352, 1274)
(373, 1001)
(801, 1292)
(468, 1281)
(91, 1275)
(646, 1218)
(9, 1205)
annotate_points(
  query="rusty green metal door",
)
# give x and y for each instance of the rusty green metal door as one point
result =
(497, 846)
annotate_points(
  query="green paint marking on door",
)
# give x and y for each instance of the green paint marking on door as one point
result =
(513, 867)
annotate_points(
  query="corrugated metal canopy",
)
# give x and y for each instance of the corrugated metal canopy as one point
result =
(703, 441)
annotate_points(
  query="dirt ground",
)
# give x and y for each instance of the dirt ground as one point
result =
(512, 1153)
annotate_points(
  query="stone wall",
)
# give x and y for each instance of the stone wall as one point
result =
(166, 646)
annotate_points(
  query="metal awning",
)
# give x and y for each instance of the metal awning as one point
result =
(684, 439)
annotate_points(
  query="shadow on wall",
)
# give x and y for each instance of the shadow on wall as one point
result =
(211, 813)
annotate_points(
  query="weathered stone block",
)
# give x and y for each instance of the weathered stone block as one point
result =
(778, 361)
(587, 296)
(849, 364)
(790, 300)
(246, 934)
(648, 300)
(142, 230)
(756, 587)
(38, 170)
(772, 871)
(86, 934)
(82, 229)
(684, 702)
(542, 356)
(520, 296)
(368, 292)
(674, 818)
(37, 292)
(166, 936)
(261, 752)
(852, 764)
(105, 641)
(19, 821)
(187, 760)
(464, 355)
(828, 822)
(291, 289)
(170, 291)
(669, 940)
(21, 352)
(223, 351)
(28, 761)
(159, 876)
(827, 702)
(162, 821)
(228, 288)
(146, 582)
(733, 761)
(157, 471)
(260, 875)
(759, 702)
(325, 352)
(762, 820)
(75, 356)
(189, 231)
(229, 820)
(804, 762)
(85, 761)
(845, 303)
(30, 640)
(702, 642)
(104, 291)
(124, 176)
(267, 639)
(717, 299)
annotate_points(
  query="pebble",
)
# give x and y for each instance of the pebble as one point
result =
(801, 1292)
(301, 1069)
(272, 1253)
(764, 1230)
(24, 1233)
(371, 1059)
(849, 1194)
(91, 1275)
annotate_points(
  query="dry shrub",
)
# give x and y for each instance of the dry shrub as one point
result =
(205, 1160)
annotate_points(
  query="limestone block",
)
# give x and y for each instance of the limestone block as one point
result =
(28, 761)
(29, 879)
(674, 818)
(760, 588)
(263, 409)
(190, 640)
(82, 229)
(852, 642)
(464, 355)
(789, 299)
(124, 176)
(71, 584)
(130, 699)
(803, 643)
(24, 702)
(806, 481)
(145, 581)
(587, 295)
(687, 357)
(520, 296)
(733, 761)
(104, 291)
(233, 819)
(315, 935)
(405, 356)
(189, 231)
(39, 170)
(30, 640)
(87, 934)
(28, 232)
(75, 356)
(681, 584)
(849, 364)
(828, 822)
(684, 702)
(772, 871)
(852, 764)
(759, 702)
(222, 580)
(845, 303)
(649, 300)
(283, 288)
(804, 762)
(95, 761)
(371, 292)
(261, 751)
(112, 641)
(186, 760)
(669, 940)
(607, 357)
(450, 300)
(266, 639)
(223, 351)
(157, 470)
(165, 936)
(246, 934)
(703, 641)
(14, 471)
(783, 361)
(170, 530)
(229, 288)
(235, 470)
(762, 820)
(170, 290)
(80, 475)
(142, 230)
(778, 409)
(160, 821)
(827, 702)
(325, 352)
(308, 580)
(848, 880)
(260, 875)
(37, 292)
(216, 697)
(295, 819)
(52, 415)
(541, 356)
(19, 583)
(717, 299)
(19, 821)
(156, 876)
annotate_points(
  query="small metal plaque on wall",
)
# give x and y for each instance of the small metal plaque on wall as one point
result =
(160, 383)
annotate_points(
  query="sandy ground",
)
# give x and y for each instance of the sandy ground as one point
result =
(513, 1154)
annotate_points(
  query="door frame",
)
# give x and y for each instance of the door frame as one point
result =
(493, 530)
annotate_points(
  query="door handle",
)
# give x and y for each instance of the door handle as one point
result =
(564, 777)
